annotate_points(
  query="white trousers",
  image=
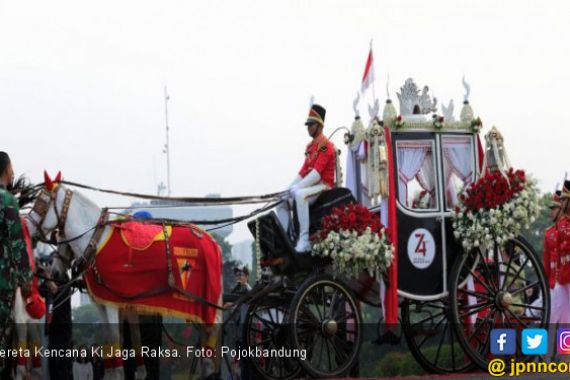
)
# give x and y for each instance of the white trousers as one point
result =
(560, 304)
(303, 198)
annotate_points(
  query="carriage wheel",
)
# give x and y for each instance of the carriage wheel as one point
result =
(265, 328)
(431, 338)
(325, 321)
(504, 287)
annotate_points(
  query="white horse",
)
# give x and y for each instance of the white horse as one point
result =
(78, 217)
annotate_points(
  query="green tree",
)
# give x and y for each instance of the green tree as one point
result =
(229, 263)
(85, 314)
(86, 325)
(535, 234)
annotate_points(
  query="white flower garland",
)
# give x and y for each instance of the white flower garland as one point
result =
(482, 228)
(353, 254)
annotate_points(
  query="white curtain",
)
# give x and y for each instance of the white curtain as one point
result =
(426, 177)
(352, 166)
(458, 154)
(411, 157)
(356, 168)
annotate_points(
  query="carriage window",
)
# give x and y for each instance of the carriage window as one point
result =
(416, 175)
(458, 166)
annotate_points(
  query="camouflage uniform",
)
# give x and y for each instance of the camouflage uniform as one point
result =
(14, 262)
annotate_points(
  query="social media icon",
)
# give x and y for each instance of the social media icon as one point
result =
(535, 342)
(563, 343)
(503, 341)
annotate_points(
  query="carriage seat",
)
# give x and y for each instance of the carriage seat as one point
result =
(323, 206)
(277, 250)
(277, 247)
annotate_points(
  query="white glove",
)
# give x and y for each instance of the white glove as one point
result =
(297, 179)
(310, 179)
(293, 190)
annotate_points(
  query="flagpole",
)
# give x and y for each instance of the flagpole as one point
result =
(167, 146)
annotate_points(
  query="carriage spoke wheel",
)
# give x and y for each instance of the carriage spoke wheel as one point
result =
(265, 328)
(503, 287)
(431, 338)
(325, 321)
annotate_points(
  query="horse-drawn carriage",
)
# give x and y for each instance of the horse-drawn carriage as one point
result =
(451, 295)
(447, 291)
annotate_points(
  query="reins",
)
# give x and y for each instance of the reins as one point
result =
(86, 261)
(195, 201)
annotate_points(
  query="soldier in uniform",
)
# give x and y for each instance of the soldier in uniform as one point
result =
(14, 262)
(316, 175)
(563, 272)
(559, 307)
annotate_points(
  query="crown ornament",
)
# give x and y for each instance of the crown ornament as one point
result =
(414, 101)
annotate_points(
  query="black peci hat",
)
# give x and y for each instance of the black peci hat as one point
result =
(243, 269)
(316, 115)
(565, 190)
(555, 201)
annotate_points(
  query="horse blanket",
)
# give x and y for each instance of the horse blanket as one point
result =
(132, 268)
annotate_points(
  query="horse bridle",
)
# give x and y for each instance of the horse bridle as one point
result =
(41, 208)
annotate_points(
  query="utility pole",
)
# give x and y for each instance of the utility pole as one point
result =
(167, 145)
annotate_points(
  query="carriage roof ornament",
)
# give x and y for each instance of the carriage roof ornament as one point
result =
(414, 101)
(355, 105)
(467, 90)
(389, 113)
(466, 111)
(448, 111)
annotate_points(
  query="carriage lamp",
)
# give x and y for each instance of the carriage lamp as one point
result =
(348, 138)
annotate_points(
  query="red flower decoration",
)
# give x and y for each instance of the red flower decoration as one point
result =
(493, 190)
(351, 217)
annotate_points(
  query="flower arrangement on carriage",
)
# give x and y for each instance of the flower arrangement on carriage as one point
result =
(498, 205)
(355, 241)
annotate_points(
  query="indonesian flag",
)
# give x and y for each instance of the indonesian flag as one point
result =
(368, 76)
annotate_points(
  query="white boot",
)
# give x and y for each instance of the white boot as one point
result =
(303, 245)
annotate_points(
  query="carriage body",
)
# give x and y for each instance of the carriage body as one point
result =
(432, 168)
(447, 298)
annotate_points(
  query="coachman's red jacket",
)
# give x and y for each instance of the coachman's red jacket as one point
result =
(551, 255)
(563, 227)
(321, 156)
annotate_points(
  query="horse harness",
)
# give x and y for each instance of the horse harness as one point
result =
(87, 260)
(41, 209)
(155, 292)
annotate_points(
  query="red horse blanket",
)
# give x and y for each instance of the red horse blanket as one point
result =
(132, 264)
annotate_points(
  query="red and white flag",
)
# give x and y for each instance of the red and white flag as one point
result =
(368, 77)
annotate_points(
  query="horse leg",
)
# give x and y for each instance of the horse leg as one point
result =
(210, 340)
(113, 365)
(34, 335)
(136, 340)
(20, 321)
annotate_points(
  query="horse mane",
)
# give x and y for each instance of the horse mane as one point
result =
(24, 191)
(83, 201)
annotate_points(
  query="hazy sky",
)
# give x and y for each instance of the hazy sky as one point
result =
(81, 83)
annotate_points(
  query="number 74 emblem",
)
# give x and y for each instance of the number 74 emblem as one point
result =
(421, 246)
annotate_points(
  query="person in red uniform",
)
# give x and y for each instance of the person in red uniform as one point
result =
(550, 256)
(563, 227)
(316, 175)
(558, 293)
